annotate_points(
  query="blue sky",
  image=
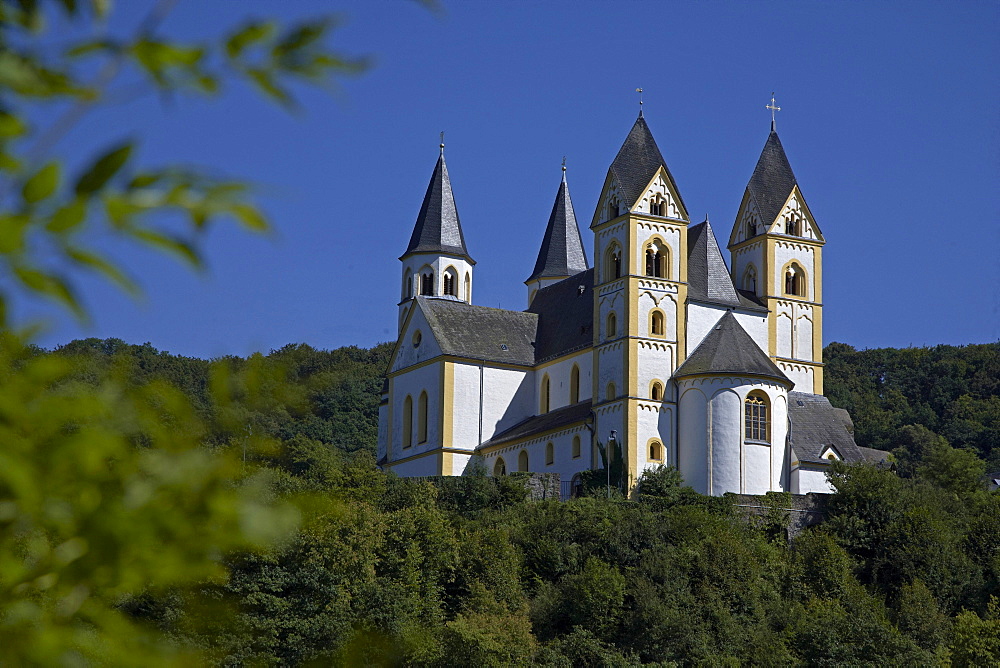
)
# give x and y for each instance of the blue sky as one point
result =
(889, 118)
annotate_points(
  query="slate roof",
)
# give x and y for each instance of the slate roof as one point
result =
(481, 333)
(708, 277)
(562, 251)
(561, 417)
(815, 424)
(728, 349)
(772, 180)
(438, 229)
(637, 162)
(565, 316)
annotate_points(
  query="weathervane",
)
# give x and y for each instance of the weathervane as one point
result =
(442, 142)
(639, 91)
(773, 109)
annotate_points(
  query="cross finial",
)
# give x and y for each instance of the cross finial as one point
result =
(564, 168)
(773, 107)
(639, 91)
(442, 142)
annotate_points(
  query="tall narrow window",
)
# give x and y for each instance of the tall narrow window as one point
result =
(574, 385)
(468, 287)
(750, 279)
(543, 395)
(408, 285)
(408, 421)
(522, 461)
(422, 418)
(755, 412)
(792, 225)
(795, 281)
(613, 263)
(550, 454)
(610, 392)
(612, 209)
(500, 468)
(658, 207)
(576, 447)
(427, 283)
(656, 323)
(449, 285)
(656, 392)
(657, 257)
(611, 330)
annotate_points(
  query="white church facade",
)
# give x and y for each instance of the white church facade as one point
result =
(659, 346)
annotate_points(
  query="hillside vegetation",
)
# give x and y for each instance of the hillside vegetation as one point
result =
(386, 571)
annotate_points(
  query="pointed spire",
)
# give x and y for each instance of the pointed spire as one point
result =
(562, 251)
(708, 277)
(637, 162)
(728, 349)
(438, 228)
(772, 179)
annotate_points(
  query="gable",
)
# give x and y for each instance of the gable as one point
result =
(795, 208)
(406, 354)
(662, 186)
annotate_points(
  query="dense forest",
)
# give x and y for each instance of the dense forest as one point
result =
(387, 571)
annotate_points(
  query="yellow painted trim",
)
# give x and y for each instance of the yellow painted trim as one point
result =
(389, 426)
(447, 419)
(428, 453)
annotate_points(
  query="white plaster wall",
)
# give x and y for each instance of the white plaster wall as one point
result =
(703, 317)
(559, 379)
(785, 252)
(799, 374)
(412, 382)
(779, 442)
(794, 204)
(439, 263)
(803, 335)
(406, 354)
(726, 441)
(755, 325)
(751, 254)
(602, 241)
(692, 435)
(671, 237)
(659, 187)
(654, 420)
(421, 466)
(756, 469)
(610, 364)
(564, 463)
(458, 464)
(614, 301)
(783, 328)
(509, 398)
(649, 300)
(805, 481)
(655, 362)
(465, 413)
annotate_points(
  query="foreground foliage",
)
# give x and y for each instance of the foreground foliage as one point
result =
(387, 571)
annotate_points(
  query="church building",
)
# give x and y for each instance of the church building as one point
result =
(659, 347)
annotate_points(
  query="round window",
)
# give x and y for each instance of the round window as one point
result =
(417, 337)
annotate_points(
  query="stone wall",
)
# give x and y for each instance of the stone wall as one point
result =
(794, 512)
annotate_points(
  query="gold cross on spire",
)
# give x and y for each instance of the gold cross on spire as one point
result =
(639, 91)
(773, 107)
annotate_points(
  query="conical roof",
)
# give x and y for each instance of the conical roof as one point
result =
(772, 179)
(438, 229)
(708, 277)
(562, 251)
(637, 162)
(728, 349)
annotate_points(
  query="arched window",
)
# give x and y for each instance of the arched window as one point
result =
(427, 283)
(656, 391)
(750, 279)
(422, 418)
(576, 487)
(574, 385)
(795, 281)
(756, 414)
(408, 421)
(657, 206)
(613, 263)
(408, 285)
(657, 260)
(655, 451)
(751, 229)
(656, 323)
(449, 285)
(612, 208)
(611, 327)
(468, 287)
(576, 447)
(500, 468)
(792, 225)
(544, 395)
(522, 461)
(610, 392)
(550, 454)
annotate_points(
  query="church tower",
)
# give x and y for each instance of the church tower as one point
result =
(777, 253)
(436, 262)
(640, 288)
(561, 254)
